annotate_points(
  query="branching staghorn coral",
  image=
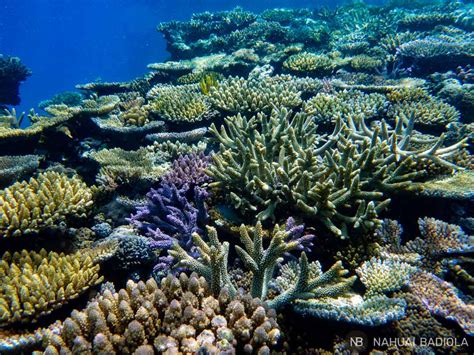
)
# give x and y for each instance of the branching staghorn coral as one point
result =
(304, 281)
(267, 162)
(40, 202)
(34, 284)
(179, 316)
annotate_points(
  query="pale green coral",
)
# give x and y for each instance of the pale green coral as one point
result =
(254, 94)
(325, 107)
(268, 162)
(382, 276)
(119, 166)
(305, 283)
(430, 112)
(183, 103)
(309, 62)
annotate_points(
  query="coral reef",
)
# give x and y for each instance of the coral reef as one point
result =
(258, 174)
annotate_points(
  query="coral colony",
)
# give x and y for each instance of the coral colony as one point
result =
(243, 196)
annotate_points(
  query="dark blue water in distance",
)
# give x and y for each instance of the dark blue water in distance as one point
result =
(68, 42)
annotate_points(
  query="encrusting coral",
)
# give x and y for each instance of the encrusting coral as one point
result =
(43, 201)
(179, 316)
(34, 284)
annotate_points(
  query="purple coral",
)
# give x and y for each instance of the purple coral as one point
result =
(188, 169)
(296, 234)
(169, 217)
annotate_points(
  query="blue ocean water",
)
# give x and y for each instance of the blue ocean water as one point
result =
(67, 42)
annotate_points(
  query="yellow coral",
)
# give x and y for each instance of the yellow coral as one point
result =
(184, 103)
(34, 284)
(43, 201)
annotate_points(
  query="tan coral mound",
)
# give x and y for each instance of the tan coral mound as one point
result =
(179, 316)
(40, 202)
(34, 284)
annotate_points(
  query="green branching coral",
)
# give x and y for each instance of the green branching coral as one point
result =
(381, 276)
(268, 162)
(308, 281)
(302, 280)
(213, 262)
(180, 103)
(309, 62)
(28, 206)
(254, 94)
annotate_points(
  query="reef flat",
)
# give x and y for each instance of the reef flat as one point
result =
(292, 181)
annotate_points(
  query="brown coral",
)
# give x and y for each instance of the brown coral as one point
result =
(179, 316)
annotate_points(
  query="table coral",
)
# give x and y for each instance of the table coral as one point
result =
(442, 299)
(29, 206)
